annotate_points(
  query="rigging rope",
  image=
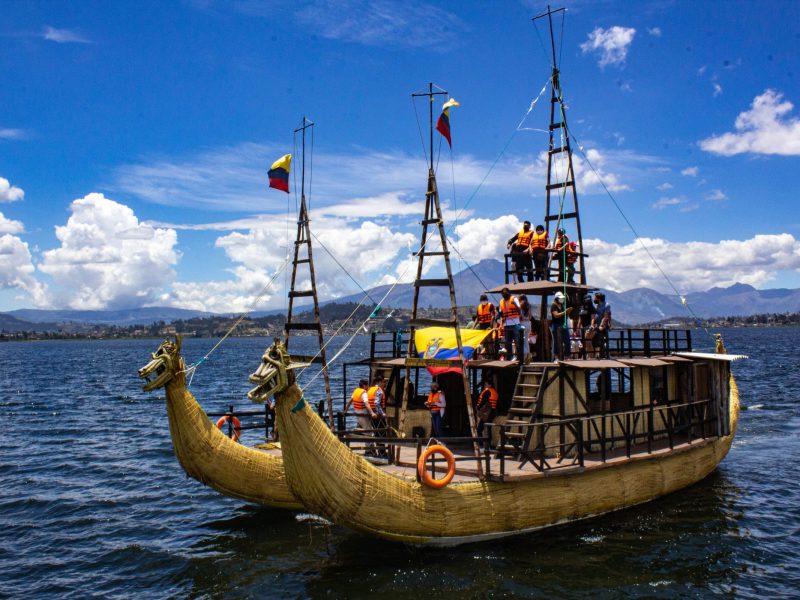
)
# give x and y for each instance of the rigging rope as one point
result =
(193, 367)
(683, 300)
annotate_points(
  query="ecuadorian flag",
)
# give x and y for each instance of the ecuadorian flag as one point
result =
(441, 343)
(279, 173)
(443, 124)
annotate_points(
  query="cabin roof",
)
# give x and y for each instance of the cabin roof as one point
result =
(541, 288)
(712, 356)
(643, 362)
(594, 364)
(675, 359)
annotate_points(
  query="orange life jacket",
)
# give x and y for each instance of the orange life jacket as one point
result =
(485, 312)
(371, 392)
(524, 238)
(509, 309)
(493, 397)
(561, 241)
(433, 401)
(572, 254)
(539, 240)
(358, 404)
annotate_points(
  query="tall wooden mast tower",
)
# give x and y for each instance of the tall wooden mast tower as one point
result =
(562, 211)
(433, 217)
(303, 242)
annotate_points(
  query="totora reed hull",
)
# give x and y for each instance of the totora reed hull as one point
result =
(331, 480)
(211, 457)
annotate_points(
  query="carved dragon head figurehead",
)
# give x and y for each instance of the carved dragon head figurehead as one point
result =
(164, 364)
(274, 374)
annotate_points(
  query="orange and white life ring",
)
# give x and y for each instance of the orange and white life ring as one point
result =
(426, 477)
(237, 426)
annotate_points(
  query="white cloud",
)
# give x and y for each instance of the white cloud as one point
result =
(691, 171)
(701, 71)
(14, 134)
(611, 44)
(16, 269)
(716, 195)
(664, 186)
(8, 192)
(663, 203)
(654, 31)
(717, 88)
(10, 226)
(764, 129)
(477, 239)
(63, 36)
(107, 259)
(692, 266)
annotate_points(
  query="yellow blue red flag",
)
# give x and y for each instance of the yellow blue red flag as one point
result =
(443, 124)
(279, 173)
(441, 343)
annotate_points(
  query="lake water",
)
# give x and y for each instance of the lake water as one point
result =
(94, 504)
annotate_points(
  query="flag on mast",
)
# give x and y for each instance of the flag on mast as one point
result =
(279, 173)
(443, 124)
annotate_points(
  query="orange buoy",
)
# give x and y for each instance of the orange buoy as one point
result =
(427, 478)
(237, 426)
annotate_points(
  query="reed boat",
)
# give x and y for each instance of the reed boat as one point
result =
(203, 450)
(580, 429)
(388, 501)
(254, 474)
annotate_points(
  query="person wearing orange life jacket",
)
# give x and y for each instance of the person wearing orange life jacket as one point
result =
(487, 405)
(560, 250)
(360, 401)
(376, 401)
(572, 258)
(520, 246)
(513, 333)
(539, 243)
(436, 403)
(485, 317)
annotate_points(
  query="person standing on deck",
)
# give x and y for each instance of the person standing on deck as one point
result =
(485, 317)
(487, 406)
(560, 249)
(601, 323)
(520, 246)
(436, 403)
(512, 332)
(586, 314)
(539, 243)
(559, 326)
(361, 405)
(572, 258)
(527, 322)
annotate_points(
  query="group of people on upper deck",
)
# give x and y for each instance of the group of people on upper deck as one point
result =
(530, 250)
(580, 330)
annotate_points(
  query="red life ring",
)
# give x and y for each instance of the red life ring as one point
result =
(237, 426)
(427, 478)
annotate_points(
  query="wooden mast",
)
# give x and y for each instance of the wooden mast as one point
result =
(556, 213)
(433, 216)
(302, 240)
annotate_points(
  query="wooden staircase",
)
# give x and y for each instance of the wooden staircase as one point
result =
(526, 405)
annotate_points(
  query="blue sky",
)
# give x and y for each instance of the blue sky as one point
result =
(135, 139)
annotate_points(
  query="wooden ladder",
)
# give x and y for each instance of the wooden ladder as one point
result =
(526, 405)
(303, 240)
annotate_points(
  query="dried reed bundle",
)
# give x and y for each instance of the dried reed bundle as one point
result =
(331, 480)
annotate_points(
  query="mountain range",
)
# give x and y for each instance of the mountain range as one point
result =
(640, 305)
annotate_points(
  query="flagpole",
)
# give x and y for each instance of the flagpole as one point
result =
(430, 121)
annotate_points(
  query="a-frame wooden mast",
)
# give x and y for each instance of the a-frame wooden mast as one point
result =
(433, 216)
(559, 213)
(303, 240)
